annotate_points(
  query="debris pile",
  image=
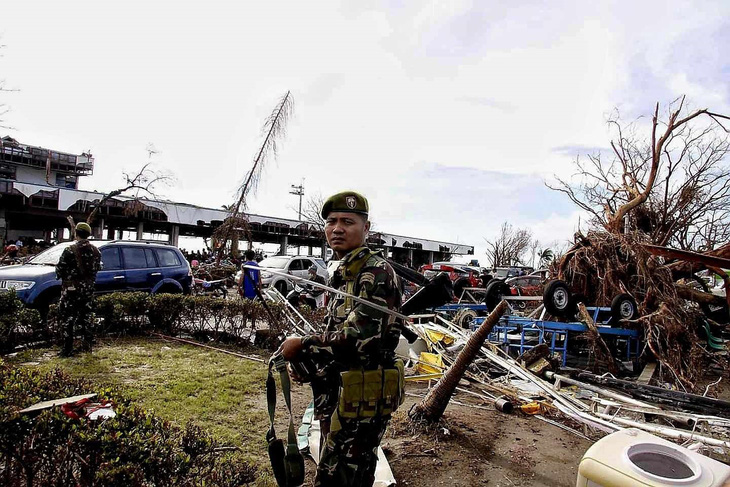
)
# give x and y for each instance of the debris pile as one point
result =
(602, 265)
(585, 404)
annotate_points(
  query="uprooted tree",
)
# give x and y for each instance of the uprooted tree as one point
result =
(665, 191)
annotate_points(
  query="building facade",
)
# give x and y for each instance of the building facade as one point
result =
(39, 192)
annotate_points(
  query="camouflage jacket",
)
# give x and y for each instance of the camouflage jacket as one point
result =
(358, 335)
(79, 264)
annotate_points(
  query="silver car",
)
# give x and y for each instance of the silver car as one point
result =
(297, 265)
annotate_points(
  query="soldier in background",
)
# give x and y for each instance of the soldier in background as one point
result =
(77, 270)
(358, 347)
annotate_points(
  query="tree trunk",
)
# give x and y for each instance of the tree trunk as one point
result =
(603, 353)
(432, 407)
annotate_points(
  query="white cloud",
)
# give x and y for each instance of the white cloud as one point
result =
(381, 93)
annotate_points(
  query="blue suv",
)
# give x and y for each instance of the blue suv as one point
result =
(125, 266)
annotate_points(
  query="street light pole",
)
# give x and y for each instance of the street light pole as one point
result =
(298, 191)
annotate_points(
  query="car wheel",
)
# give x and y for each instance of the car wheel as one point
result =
(281, 287)
(465, 317)
(556, 298)
(168, 289)
(623, 307)
(494, 293)
(49, 298)
(459, 286)
(485, 278)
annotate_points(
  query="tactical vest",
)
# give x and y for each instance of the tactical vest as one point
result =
(373, 392)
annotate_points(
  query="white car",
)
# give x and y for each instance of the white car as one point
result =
(297, 265)
(332, 267)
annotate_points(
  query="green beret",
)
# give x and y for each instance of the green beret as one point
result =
(84, 227)
(347, 201)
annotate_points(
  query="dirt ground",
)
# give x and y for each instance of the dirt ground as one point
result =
(470, 447)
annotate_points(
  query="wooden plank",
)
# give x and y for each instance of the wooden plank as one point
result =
(55, 402)
(647, 373)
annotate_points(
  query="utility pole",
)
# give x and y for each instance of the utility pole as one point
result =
(298, 191)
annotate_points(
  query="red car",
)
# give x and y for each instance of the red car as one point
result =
(461, 276)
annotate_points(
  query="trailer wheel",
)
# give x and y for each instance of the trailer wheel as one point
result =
(574, 300)
(496, 289)
(556, 298)
(465, 317)
(485, 278)
(623, 307)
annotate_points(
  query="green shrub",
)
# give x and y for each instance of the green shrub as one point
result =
(15, 320)
(137, 312)
(134, 448)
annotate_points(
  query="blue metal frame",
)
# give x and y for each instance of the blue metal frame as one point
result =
(450, 308)
(559, 333)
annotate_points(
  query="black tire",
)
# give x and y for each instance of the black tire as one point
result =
(486, 279)
(556, 298)
(464, 318)
(623, 307)
(459, 286)
(282, 287)
(495, 290)
(168, 289)
(49, 298)
(575, 299)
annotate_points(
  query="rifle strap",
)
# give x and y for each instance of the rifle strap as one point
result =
(287, 461)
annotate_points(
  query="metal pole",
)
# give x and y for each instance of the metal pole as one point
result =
(330, 289)
(298, 191)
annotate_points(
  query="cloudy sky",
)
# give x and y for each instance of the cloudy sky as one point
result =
(449, 115)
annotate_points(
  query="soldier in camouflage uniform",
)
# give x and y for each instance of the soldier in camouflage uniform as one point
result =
(356, 337)
(77, 270)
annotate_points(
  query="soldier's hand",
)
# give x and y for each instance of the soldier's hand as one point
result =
(291, 348)
(293, 374)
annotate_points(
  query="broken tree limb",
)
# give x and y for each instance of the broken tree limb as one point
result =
(691, 294)
(684, 267)
(687, 256)
(603, 353)
(725, 282)
(434, 404)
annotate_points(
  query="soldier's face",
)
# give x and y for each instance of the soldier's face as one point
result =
(345, 231)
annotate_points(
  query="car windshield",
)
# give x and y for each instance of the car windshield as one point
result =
(275, 262)
(51, 256)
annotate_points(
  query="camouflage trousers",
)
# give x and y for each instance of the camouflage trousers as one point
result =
(74, 314)
(350, 453)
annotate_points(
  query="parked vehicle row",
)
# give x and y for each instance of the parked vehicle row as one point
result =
(125, 266)
(295, 265)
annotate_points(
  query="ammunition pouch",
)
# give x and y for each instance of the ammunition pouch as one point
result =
(371, 393)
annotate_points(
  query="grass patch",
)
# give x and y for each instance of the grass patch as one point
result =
(224, 395)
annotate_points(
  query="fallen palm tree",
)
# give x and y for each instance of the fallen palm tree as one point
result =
(432, 407)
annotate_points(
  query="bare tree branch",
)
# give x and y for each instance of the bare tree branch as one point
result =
(509, 247)
(142, 183)
(669, 185)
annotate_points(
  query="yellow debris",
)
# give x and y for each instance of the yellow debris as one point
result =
(430, 363)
